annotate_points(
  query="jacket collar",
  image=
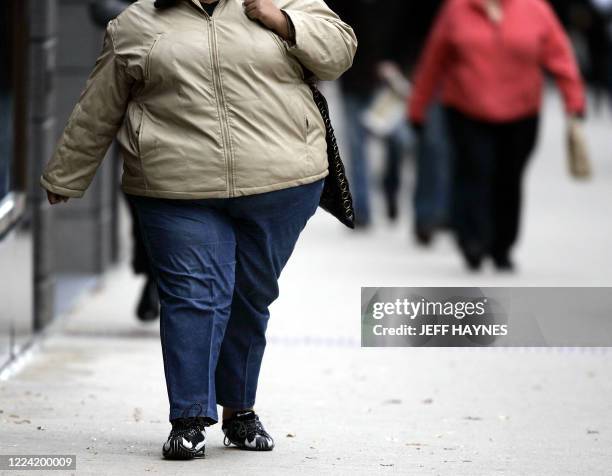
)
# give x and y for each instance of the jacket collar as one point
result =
(477, 3)
(480, 4)
(197, 3)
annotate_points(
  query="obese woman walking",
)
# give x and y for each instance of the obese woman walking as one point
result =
(488, 57)
(224, 160)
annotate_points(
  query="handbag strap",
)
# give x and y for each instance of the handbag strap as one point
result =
(333, 153)
(321, 103)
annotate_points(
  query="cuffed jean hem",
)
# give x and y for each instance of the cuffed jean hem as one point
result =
(195, 410)
(210, 419)
(236, 405)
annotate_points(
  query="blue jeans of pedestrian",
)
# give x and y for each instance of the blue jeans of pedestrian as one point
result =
(400, 141)
(217, 263)
(433, 193)
(359, 170)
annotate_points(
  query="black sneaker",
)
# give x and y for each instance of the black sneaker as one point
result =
(187, 439)
(473, 255)
(424, 235)
(246, 432)
(503, 263)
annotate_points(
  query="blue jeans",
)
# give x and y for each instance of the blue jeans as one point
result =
(397, 144)
(217, 263)
(359, 170)
(433, 193)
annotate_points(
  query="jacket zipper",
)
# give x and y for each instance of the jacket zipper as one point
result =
(221, 105)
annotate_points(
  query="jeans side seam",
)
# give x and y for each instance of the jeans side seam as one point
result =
(246, 373)
(156, 276)
(212, 375)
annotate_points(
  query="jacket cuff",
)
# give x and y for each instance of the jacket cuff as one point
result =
(291, 28)
(65, 192)
(294, 19)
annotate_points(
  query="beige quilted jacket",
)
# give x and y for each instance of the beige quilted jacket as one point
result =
(203, 106)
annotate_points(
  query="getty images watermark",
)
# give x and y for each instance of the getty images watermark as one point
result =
(457, 310)
(436, 317)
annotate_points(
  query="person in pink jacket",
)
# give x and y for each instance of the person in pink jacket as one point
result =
(488, 58)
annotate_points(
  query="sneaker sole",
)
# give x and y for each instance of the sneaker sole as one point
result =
(178, 452)
(240, 446)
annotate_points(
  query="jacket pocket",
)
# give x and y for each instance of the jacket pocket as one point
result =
(129, 134)
(141, 132)
(148, 59)
(307, 131)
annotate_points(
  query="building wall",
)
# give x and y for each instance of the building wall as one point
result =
(53, 52)
(83, 229)
(16, 224)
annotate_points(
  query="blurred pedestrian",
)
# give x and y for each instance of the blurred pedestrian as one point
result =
(381, 29)
(604, 17)
(384, 120)
(488, 57)
(587, 27)
(434, 168)
(225, 157)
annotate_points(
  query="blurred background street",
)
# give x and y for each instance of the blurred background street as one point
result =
(81, 374)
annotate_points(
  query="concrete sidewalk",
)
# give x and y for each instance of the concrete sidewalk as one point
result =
(96, 390)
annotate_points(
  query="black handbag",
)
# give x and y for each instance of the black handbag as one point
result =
(336, 197)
